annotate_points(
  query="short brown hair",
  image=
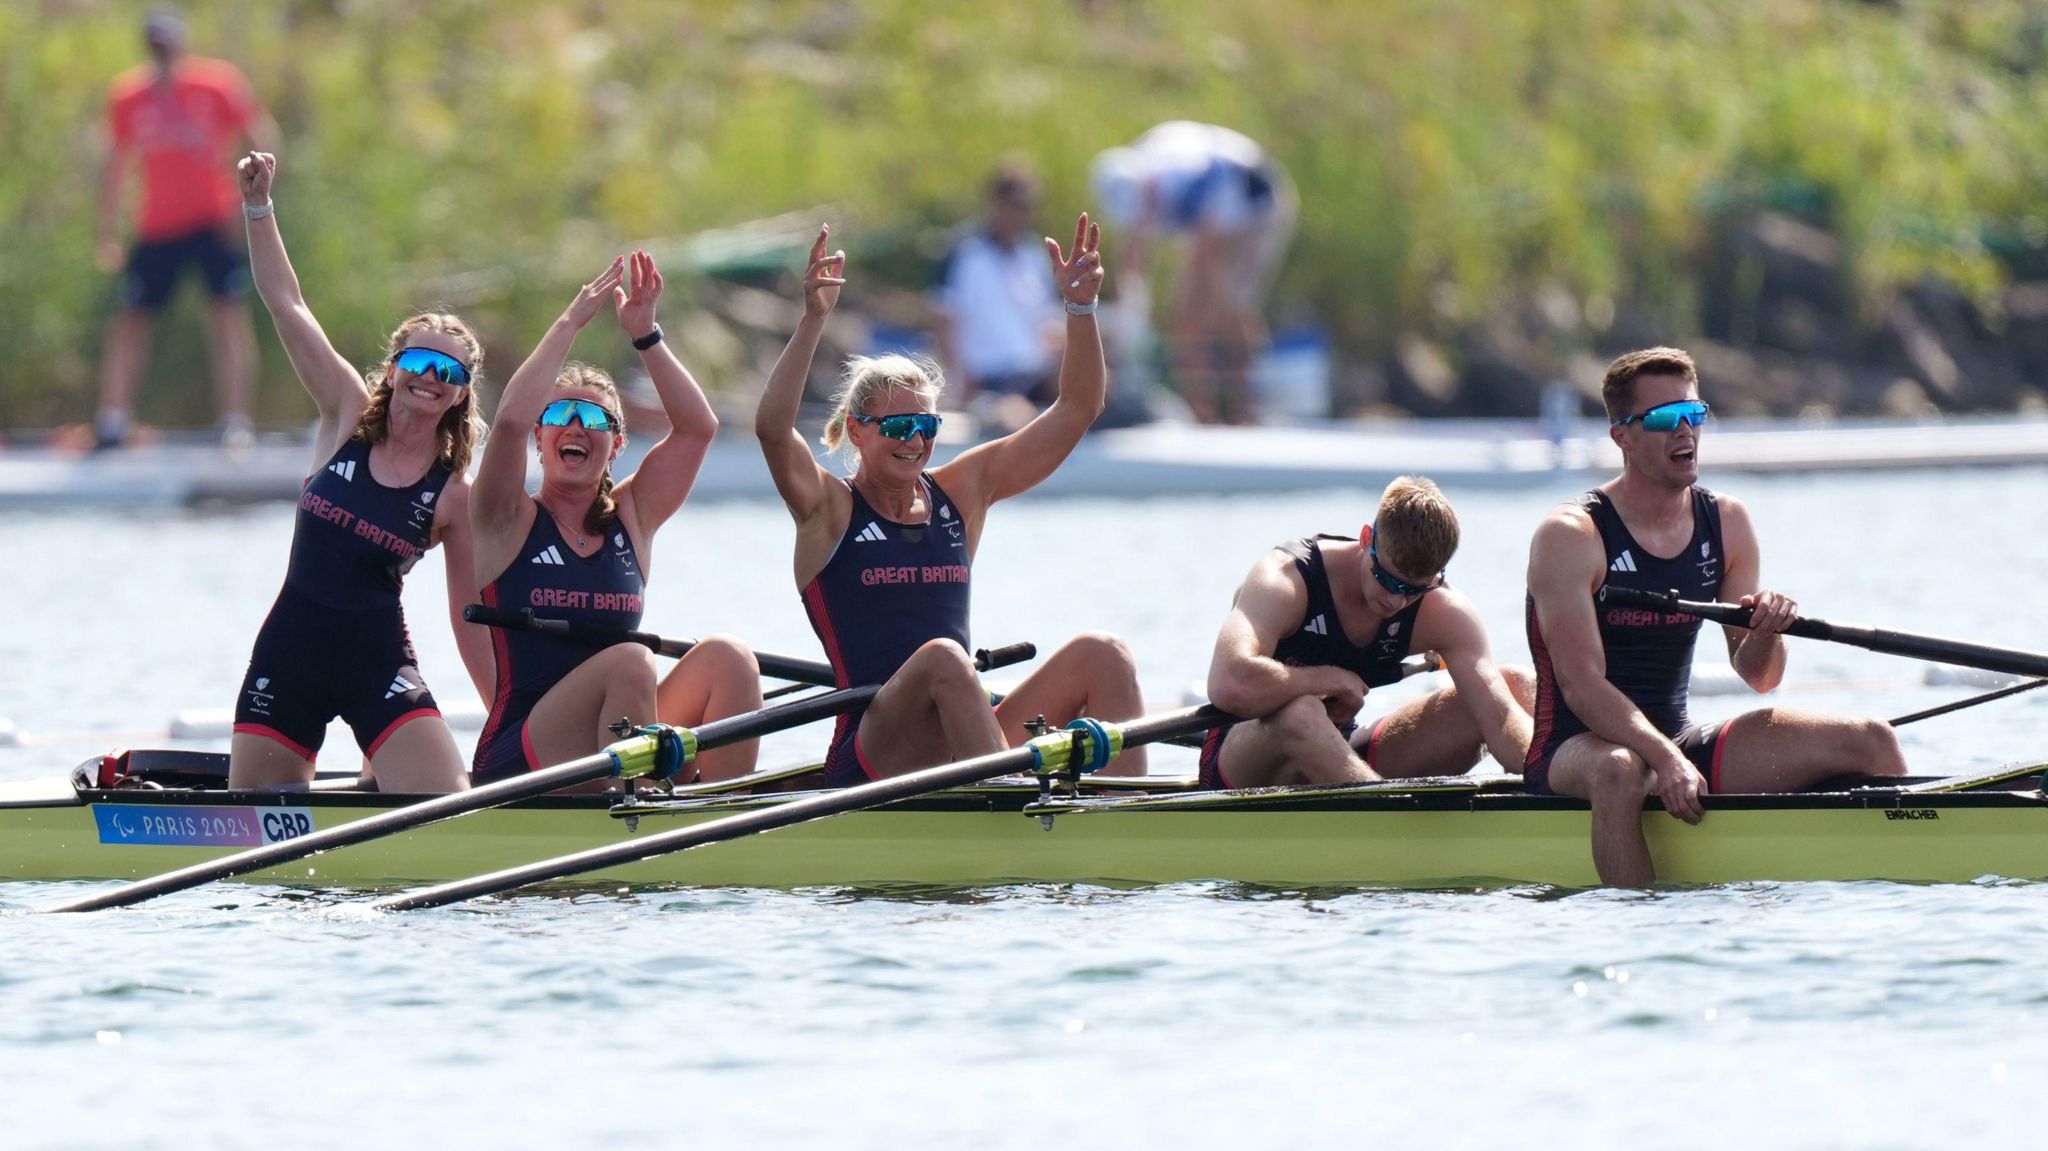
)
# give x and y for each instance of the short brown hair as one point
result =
(1618, 386)
(1416, 531)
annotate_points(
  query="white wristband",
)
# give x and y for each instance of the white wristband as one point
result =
(258, 211)
(1074, 309)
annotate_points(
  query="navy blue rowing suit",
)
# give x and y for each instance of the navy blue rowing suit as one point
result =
(605, 589)
(1320, 642)
(335, 641)
(888, 590)
(1649, 653)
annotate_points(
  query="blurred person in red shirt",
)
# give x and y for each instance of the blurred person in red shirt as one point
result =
(180, 121)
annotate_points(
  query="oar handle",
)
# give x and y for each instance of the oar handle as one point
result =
(811, 671)
(1929, 647)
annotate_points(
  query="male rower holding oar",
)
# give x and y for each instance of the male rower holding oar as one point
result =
(1322, 620)
(1611, 682)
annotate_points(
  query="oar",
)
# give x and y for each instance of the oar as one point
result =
(803, 671)
(1906, 643)
(1096, 743)
(1972, 701)
(658, 750)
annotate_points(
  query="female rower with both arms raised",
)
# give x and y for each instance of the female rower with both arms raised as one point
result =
(883, 556)
(579, 550)
(394, 446)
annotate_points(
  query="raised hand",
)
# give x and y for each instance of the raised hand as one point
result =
(635, 299)
(254, 173)
(592, 296)
(1079, 279)
(824, 277)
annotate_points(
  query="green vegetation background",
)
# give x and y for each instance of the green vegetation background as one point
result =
(1449, 153)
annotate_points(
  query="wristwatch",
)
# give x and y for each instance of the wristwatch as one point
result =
(649, 340)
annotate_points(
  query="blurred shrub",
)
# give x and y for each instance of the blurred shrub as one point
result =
(1449, 153)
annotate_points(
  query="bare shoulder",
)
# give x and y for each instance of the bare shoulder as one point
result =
(1734, 513)
(1449, 621)
(451, 507)
(1566, 526)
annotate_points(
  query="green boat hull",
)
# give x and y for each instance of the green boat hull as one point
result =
(997, 836)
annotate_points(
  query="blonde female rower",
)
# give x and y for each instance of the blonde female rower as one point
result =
(883, 556)
(393, 446)
(579, 551)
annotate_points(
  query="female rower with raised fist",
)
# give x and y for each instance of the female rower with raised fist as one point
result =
(393, 445)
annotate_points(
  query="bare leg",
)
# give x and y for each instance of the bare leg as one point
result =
(1093, 675)
(260, 761)
(574, 718)
(420, 758)
(234, 360)
(715, 679)
(1615, 780)
(121, 363)
(932, 711)
(1436, 735)
(1778, 749)
(1295, 745)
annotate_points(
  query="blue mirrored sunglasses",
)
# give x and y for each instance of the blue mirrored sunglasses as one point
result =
(1392, 582)
(903, 427)
(560, 412)
(431, 362)
(1666, 417)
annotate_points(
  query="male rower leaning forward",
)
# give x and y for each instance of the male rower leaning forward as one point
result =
(883, 556)
(1322, 620)
(1611, 682)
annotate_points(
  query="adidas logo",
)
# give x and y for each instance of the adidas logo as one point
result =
(871, 534)
(346, 469)
(548, 555)
(398, 687)
(1623, 562)
(1316, 626)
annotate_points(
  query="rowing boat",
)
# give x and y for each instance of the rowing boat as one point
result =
(1437, 832)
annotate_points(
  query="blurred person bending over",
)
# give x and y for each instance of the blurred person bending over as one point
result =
(1235, 207)
(1322, 620)
(179, 120)
(999, 324)
(1612, 682)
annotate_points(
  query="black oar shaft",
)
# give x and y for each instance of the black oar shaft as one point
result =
(876, 794)
(810, 671)
(1906, 643)
(1972, 701)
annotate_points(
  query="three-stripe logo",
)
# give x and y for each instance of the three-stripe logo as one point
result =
(346, 469)
(871, 534)
(547, 555)
(1623, 562)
